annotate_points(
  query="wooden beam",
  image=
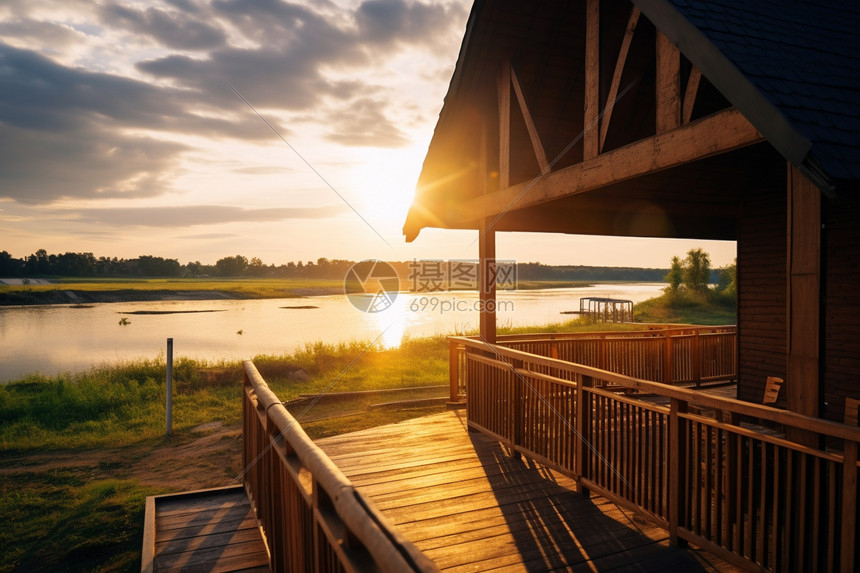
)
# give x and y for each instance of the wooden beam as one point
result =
(590, 127)
(712, 135)
(803, 312)
(690, 94)
(616, 76)
(487, 283)
(540, 154)
(668, 84)
(504, 89)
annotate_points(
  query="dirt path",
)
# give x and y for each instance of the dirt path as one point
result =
(209, 457)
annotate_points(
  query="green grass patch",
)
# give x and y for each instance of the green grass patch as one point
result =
(681, 308)
(59, 521)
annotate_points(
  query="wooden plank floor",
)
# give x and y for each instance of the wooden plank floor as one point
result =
(213, 530)
(469, 506)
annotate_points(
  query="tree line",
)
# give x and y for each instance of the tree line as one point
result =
(85, 265)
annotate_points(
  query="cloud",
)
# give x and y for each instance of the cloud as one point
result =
(42, 166)
(65, 132)
(364, 123)
(53, 35)
(174, 28)
(191, 215)
(387, 21)
(70, 132)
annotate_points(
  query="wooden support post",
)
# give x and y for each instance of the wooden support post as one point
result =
(676, 471)
(616, 76)
(803, 291)
(668, 84)
(454, 371)
(690, 94)
(487, 294)
(537, 146)
(583, 433)
(591, 129)
(504, 89)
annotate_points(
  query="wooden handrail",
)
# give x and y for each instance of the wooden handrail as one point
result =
(688, 354)
(748, 494)
(819, 425)
(364, 528)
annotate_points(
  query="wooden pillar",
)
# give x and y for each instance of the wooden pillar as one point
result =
(591, 129)
(487, 238)
(487, 284)
(668, 84)
(803, 300)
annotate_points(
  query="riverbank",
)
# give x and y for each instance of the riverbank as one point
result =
(76, 291)
(92, 291)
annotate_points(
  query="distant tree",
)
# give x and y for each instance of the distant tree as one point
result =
(697, 271)
(256, 268)
(728, 279)
(37, 264)
(10, 266)
(675, 276)
(231, 266)
(150, 266)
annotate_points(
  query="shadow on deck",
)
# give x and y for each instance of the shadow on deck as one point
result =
(206, 530)
(468, 505)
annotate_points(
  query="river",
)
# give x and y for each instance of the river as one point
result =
(69, 338)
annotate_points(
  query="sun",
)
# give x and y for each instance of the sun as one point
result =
(385, 183)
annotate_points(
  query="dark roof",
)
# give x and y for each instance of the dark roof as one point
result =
(791, 67)
(802, 57)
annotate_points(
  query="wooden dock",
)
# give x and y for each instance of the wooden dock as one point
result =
(207, 530)
(469, 506)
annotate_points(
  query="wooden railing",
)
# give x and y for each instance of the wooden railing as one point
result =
(311, 515)
(689, 465)
(670, 354)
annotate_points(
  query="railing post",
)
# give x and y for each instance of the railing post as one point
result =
(667, 357)
(582, 439)
(677, 469)
(849, 505)
(601, 353)
(454, 370)
(516, 408)
(697, 358)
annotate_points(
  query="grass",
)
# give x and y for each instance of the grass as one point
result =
(89, 516)
(60, 521)
(683, 308)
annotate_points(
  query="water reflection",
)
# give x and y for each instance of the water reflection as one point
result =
(391, 322)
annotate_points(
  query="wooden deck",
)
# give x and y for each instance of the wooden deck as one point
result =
(469, 506)
(209, 530)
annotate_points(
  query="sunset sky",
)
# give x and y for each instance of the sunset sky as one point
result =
(120, 133)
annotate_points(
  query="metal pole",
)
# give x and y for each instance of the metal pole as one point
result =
(169, 385)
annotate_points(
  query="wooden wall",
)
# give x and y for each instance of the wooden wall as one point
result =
(842, 311)
(761, 290)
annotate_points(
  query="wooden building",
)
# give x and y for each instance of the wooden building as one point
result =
(727, 119)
